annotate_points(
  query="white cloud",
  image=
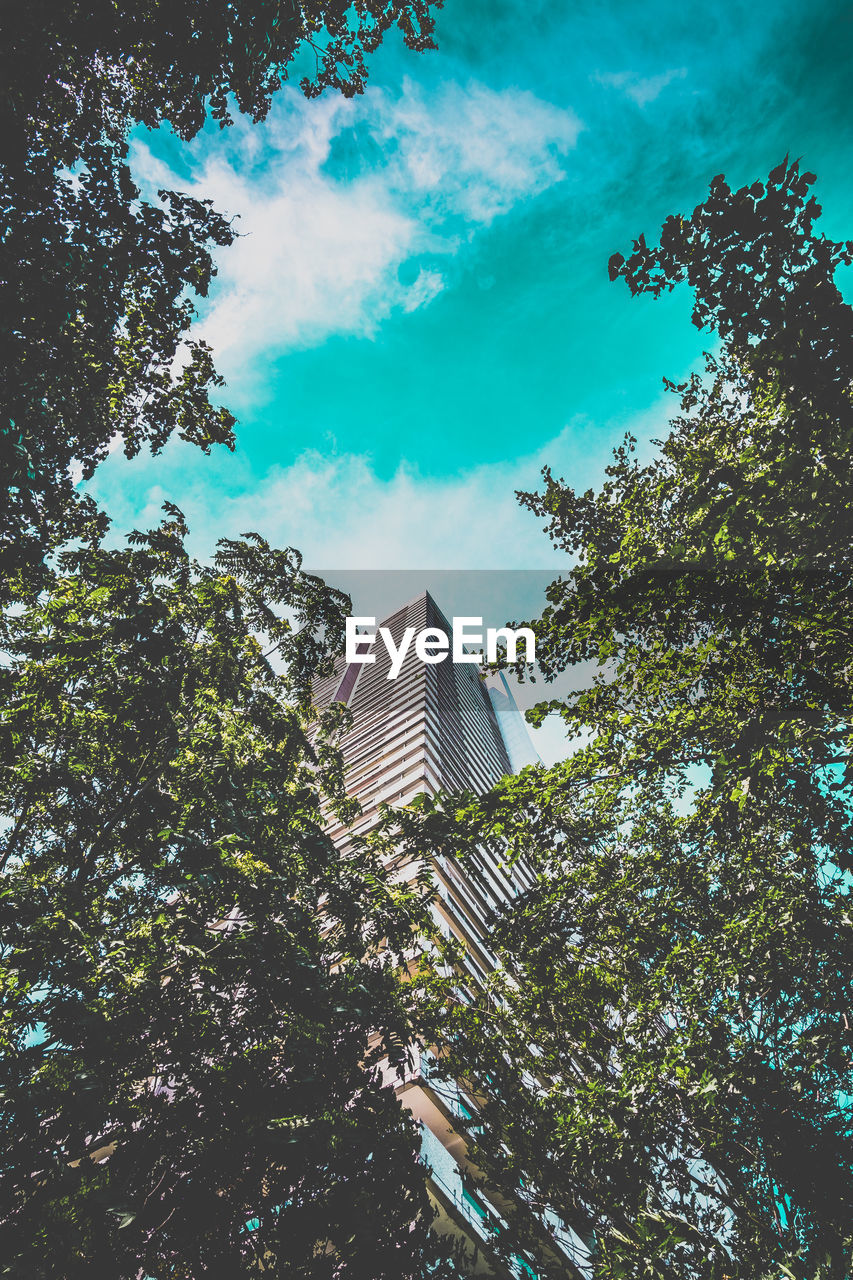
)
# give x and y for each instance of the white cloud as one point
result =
(641, 89)
(321, 246)
(341, 512)
(473, 151)
(427, 286)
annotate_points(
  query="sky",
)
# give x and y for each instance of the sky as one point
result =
(417, 315)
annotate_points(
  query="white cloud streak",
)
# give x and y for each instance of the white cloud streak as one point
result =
(641, 89)
(322, 239)
(340, 511)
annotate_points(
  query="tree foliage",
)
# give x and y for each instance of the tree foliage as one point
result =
(666, 1060)
(197, 989)
(96, 285)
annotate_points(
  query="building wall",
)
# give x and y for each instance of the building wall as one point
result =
(436, 727)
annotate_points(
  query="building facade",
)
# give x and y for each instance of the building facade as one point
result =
(438, 727)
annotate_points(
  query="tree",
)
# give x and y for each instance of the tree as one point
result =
(666, 1058)
(96, 285)
(195, 999)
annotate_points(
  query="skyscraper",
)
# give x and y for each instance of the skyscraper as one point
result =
(436, 727)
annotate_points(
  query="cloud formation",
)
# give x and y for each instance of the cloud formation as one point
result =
(641, 89)
(335, 197)
(341, 511)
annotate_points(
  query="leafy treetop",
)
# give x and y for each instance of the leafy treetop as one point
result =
(666, 1058)
(197, 988)
(96, 285)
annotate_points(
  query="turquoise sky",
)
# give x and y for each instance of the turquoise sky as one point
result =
(418, 314)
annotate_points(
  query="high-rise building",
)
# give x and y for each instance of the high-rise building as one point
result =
(438, 727)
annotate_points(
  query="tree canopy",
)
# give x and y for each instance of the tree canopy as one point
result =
(666, 1058)
(198, 989)
(96, 285)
